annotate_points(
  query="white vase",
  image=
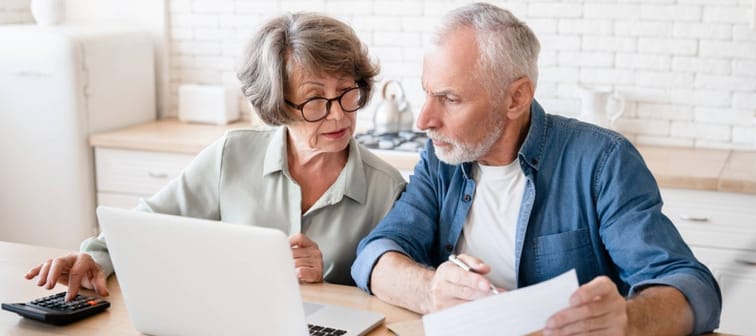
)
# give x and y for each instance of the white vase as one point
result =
(47, 12)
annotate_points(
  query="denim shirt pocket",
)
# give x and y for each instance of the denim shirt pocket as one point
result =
(559, 252)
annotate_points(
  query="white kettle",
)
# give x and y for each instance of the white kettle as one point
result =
(601, 107)
(393, 114)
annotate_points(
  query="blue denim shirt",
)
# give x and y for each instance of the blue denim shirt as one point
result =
(590, 203)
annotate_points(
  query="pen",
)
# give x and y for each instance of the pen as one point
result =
(453, 258)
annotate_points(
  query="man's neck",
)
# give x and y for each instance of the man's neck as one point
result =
(505, 150)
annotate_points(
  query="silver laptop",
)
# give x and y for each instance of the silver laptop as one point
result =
(188, 276)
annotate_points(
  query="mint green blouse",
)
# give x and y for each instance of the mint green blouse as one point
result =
(243, 178)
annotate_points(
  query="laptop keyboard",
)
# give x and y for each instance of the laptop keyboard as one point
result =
(316, 330)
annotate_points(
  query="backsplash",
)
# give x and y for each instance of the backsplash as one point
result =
(687, 68)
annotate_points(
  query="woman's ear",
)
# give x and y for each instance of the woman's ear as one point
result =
(520, 93)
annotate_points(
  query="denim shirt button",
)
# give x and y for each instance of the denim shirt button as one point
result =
(467, 198)
(449, 248)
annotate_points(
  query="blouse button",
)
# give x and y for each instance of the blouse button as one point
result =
(449, 248)
(467, 198)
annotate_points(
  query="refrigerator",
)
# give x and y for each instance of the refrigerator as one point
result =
(58, 85)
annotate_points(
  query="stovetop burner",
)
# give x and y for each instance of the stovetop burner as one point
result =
(407, 141)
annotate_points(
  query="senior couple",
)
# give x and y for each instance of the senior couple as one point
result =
(519, 194)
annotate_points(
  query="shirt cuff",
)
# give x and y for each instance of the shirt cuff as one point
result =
(363, 265)
(703, 297)
(98, 250)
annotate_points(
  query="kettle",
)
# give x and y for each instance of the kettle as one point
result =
(393, 114)
(601, 107)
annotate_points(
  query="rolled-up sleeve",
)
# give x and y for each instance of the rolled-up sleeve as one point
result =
(409, 228)
(644, 243)
(367, 257)
(701, 294)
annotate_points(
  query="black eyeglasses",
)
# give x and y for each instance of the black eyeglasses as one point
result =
(318, 108)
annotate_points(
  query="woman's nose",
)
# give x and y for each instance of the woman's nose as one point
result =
(335, 111)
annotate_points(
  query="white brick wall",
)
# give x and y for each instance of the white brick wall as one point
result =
(686, 67)
(15, 12)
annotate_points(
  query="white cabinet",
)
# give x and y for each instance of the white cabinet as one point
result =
(124, 176)
(58, 85)
(720, 228)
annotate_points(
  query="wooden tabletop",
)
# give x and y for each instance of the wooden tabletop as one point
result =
(17, 259)
(673, 167)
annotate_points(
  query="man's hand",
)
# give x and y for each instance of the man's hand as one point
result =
(451, 285)
(75, 270)
(308, 260)
(595, 308)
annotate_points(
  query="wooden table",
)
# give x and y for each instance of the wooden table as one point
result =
(16, 259)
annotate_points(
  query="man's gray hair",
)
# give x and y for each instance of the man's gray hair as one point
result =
(509, 49)
(316, 43)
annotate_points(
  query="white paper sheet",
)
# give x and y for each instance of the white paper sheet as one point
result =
(516, 312)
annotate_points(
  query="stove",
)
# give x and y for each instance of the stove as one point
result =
(405, 141)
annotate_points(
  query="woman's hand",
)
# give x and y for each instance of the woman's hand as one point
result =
(75, 270)
(308, 260)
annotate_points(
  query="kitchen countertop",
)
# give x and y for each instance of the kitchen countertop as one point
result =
(673, 167)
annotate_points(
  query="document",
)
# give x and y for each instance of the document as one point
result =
(516, 312)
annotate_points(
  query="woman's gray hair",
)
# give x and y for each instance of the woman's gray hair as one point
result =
(313, 42)
(509, 49)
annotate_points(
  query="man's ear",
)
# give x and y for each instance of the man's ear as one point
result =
(520, 93)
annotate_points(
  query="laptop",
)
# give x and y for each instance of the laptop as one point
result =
(188, 276)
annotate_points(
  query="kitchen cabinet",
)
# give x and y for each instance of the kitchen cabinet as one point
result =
(124, 176)
(720, 228)
(58, 85)
(135, 162)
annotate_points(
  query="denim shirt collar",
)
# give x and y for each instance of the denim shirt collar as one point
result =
(531, 151)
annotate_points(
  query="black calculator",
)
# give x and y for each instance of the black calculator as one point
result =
(55, 310)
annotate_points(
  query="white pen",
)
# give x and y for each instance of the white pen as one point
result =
(453, 258)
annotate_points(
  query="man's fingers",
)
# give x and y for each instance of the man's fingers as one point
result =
(571, 315)
(456, 283)
(459, 277)
(596, 288)
(476, 264)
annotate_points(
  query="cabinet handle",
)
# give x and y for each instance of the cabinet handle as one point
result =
(157, 175)
(748, 260)
(693, 218)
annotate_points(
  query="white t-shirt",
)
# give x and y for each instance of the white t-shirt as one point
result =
(490, 229)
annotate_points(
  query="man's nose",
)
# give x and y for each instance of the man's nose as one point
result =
(426, 118)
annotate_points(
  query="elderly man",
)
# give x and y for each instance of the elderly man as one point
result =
(523, 196)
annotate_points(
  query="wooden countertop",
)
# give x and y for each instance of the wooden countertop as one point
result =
(689, 168)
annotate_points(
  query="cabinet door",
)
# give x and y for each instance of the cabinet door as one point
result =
(137, 173)
(721, 230)
(713, 219)
(738, 296)
(735, 271)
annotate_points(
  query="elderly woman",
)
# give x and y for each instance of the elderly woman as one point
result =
(309, 74)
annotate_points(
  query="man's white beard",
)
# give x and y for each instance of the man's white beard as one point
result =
(458, 152)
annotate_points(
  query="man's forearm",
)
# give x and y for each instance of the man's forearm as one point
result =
(659, 310)
(402, 282)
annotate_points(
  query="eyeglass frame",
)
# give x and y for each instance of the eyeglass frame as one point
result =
(329, 101)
